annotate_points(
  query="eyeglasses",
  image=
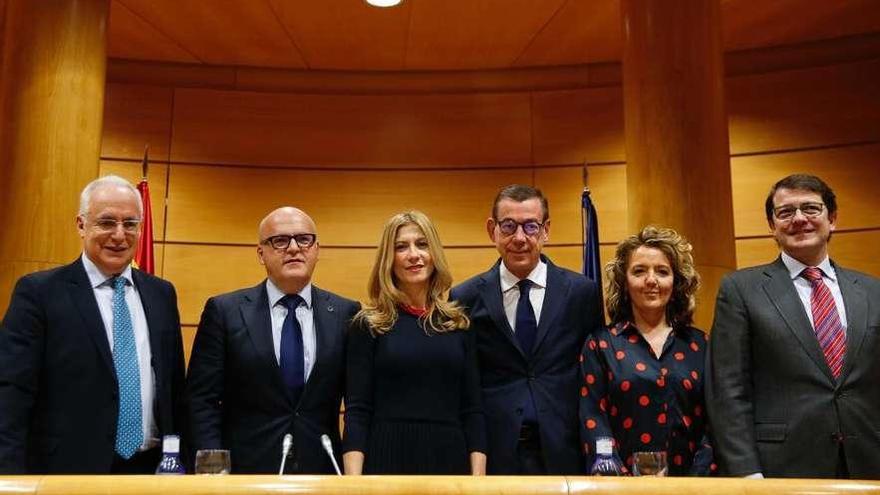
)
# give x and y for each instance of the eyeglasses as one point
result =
(530, 228)
(282, 241)
(809, 210)
(106, 225)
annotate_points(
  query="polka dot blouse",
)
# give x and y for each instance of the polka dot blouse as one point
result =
(645, 402)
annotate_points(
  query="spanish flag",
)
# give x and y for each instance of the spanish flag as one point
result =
(143, 257)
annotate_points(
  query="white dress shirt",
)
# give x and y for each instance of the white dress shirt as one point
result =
(305, 317)
(510, 291)
(103, 291)
(805, 289)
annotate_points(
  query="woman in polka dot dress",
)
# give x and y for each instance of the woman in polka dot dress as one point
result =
(643, 375)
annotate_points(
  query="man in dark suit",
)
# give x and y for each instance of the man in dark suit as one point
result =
(531, 319)
(91, 358)
(794, 376)
(269, 360)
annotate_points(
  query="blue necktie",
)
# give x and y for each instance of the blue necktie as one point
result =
(292, 360)
(526, 324)
(129, 428)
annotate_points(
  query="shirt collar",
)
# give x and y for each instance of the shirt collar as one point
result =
(98, 278)
(538, 276)
(795, 267)
(275, 294)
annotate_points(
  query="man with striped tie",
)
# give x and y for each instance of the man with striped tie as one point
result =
(91, 356)
(794, 376)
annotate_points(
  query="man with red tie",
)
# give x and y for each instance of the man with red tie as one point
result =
(794, 376)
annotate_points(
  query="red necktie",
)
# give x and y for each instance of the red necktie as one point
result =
(826, 321)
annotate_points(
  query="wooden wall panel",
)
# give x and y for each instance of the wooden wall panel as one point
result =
(135, 116)
(851, 172)
(225, 204)
(853, 250)
(410, 130)
(804, 108)
(156, 177)
(199, 272)
(563, 188)
(578, 126)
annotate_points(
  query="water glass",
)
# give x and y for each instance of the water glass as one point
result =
(212, 461)
(650, 463)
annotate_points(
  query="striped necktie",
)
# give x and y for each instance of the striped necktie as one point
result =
(826, 321)
(129, 427)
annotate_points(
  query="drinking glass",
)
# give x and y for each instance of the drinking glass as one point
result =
(650, 463)
(212, 461)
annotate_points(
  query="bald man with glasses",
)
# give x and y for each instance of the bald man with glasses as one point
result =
(268, 361)
(531, 318)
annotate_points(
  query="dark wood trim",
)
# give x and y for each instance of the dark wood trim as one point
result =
(596, 75)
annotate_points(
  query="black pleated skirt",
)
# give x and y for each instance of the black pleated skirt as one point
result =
(402, 447)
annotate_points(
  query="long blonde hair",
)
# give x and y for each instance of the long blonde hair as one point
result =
(380, 313)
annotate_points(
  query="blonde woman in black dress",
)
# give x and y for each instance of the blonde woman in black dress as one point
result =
(412, 390)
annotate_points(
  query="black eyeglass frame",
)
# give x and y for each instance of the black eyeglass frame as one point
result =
(513, 225)
(787, 212)
(304, 240)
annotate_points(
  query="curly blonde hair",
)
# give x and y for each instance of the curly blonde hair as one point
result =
(380, 313)
(680, 309)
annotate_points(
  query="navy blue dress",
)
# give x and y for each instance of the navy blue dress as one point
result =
(645, 402)
(412, 403)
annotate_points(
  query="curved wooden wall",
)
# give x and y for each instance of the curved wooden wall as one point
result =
(229, 150)
(413, 485)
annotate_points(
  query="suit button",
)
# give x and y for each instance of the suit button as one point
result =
(837, 437)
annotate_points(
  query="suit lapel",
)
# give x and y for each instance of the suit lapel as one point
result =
(255, 314)
(84, 298)
(554, 299)
(782, 293)
(325, 318)
(153, 312)
(491, 291)
(855, 302)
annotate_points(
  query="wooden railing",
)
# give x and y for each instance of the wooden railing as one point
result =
(419, 485)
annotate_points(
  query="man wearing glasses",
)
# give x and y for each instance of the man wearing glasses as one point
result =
(267, 361)
(91, 357)
(794, 376)
(530, 319)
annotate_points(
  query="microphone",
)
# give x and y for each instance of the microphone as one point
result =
(328, 447)
(286, 446)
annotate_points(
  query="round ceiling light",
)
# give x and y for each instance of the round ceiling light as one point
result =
(383, 3)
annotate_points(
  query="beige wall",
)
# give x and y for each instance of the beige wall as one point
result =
(351, 160)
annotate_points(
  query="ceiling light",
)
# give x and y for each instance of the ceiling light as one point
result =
(383, 3)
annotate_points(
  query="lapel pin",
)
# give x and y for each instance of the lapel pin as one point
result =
(330, 309)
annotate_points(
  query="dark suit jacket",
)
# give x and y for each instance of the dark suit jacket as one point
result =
(58, 390)
(570, 312)
(235, 394)
(774, 406)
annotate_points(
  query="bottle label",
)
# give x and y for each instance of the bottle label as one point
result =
(604, 446)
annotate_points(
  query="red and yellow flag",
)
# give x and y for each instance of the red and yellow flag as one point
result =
(143, 257)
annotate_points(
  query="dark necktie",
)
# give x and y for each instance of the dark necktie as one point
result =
(826, 321)
(129, 427)
(292, 360)
(526, 324)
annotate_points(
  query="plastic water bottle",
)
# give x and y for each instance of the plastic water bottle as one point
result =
(170, 463)
(605, 464)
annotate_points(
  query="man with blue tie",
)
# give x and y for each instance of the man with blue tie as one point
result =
(531, 319)
(268, 361)
(91, 357)
(793, 375)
